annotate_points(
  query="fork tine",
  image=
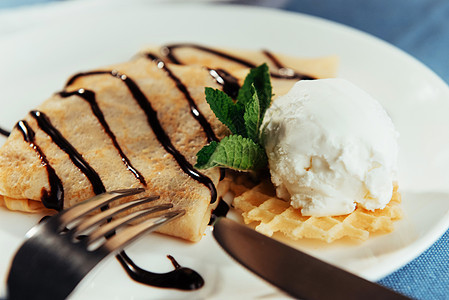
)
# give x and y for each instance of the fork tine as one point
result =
(130, 234)
(94, 203)
(88, 223)
(110, 227)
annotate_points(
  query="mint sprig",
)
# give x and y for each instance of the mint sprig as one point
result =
(242, 149)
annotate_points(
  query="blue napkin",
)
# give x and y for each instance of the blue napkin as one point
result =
(426, 277)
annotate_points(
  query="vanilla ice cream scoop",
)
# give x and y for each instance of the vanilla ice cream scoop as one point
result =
(330, 146)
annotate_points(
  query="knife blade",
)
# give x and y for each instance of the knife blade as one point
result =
(298, 274)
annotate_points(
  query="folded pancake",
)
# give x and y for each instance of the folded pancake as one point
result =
(135, 124)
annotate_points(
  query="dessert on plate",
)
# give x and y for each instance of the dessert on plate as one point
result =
(140, 124)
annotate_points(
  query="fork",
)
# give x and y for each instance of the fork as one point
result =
(60, 251)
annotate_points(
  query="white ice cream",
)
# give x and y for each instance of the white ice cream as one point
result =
(330, 145)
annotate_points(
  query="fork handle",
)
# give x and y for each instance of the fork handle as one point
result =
(58, 258)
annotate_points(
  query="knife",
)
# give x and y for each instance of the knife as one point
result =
(298, 274)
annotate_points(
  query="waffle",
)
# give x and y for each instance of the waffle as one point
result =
(260, 206)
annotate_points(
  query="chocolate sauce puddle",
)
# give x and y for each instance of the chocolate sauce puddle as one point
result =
(168, 51)
(4, 132)
(180, 278)
(156, 126)
(55, 198)
(89, 96)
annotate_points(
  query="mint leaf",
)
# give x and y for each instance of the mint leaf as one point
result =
(252, 116)
(234, 152)
(228, 112)
(260, 77)
(242, 150)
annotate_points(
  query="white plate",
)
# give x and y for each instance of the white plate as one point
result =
(35, 61)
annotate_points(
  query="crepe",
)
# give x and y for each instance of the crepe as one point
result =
(102, 133)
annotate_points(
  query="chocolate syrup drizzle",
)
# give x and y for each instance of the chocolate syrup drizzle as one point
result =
(89, 96)
(156, 126)
(45, 124)
(54, 198)
(4, 132)
(183, 89)
(283, 72)
(229, 82)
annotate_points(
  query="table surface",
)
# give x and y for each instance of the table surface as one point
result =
(420, 28)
